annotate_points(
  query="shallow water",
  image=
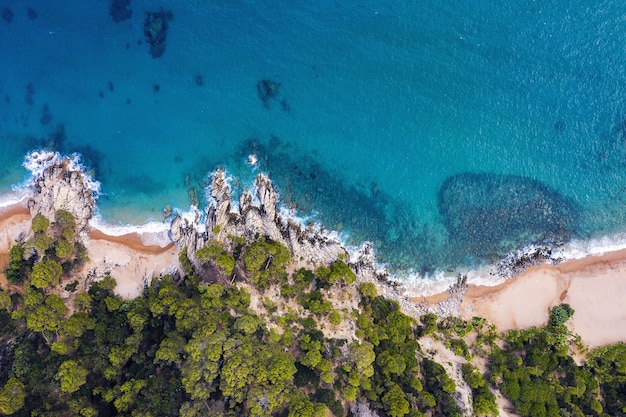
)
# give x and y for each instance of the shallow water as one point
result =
(376, 106)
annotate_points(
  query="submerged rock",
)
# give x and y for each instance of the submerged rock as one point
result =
(266, 90)
(155, 28)
(488, 215)
(7, 15)
(120, 10)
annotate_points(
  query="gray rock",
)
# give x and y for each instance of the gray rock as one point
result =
(62, 186)
(309, 247)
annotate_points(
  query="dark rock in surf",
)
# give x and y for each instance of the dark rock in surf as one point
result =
(155, 28)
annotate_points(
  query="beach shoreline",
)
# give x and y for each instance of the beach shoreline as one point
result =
(593, 285)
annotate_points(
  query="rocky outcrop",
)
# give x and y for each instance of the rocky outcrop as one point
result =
(63, 185)
(256, 215)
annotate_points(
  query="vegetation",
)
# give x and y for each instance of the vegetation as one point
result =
(264, 342)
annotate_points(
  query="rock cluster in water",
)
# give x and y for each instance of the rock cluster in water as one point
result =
(155, 29)
(256, 215)
(61, 185)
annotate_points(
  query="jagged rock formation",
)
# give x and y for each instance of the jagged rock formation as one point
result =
(62, 185)
(253, 217)
(258, 215)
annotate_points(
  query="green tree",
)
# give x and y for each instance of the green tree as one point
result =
(41, 243)
(265, 260)
(17, 265)
(395, 401)
(79, 323)
(65, 219)
(337, 271)
(40, 223)
(216, 253)
(5, 301)
(72, 376)
(63, 248)
(368, 289)
(560, 314)
(246, 324)
(46, 273)
(334, 317)
(12, 396)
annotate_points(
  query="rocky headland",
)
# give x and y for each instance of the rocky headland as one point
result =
(61, 185)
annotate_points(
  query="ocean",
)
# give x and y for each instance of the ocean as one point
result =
(446, 133)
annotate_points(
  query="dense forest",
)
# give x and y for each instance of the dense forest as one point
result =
(273, 341)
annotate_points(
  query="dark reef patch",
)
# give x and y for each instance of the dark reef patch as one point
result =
(155, 28)
(46, 116)
(7, 15)
(362, 210)
(267, 90)
(488, 215)
(30, 92)
(92, 159)
(120, 10)
(32, 13)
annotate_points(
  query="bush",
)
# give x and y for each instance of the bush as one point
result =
(266, 260)
(560, 314)
(65, 219)
(40, 223)
(46, 273)
(15, 271)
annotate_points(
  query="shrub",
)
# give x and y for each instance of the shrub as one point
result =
(266, 260)
(40, 223)
(65, 219)
(560, 314)
(46, 273)
(15, 271)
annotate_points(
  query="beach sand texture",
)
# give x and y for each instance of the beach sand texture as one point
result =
(125, 257)
(595, 286)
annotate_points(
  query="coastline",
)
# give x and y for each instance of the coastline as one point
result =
(593, 285)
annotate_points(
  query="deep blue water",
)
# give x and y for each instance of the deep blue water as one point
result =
(447, 133)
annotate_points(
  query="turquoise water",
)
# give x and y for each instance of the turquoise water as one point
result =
(447, 133)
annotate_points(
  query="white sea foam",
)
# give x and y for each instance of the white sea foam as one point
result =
(18, 196)
(36, 163)
(151, 234)
(577, 249)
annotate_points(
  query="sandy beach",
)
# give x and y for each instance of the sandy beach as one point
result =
(128, 260)
(595, 286)
(125, 257)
